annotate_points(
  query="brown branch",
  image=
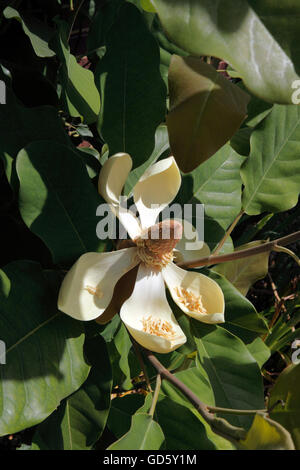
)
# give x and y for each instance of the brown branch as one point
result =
(268, 246)
(218, 425)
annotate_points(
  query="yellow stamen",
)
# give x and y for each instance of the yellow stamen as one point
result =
(191, 301)
(158, 327)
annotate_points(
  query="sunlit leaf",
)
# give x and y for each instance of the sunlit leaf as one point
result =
(231, 370)
(144, 434)
(79, 93)
(38, 32)
(232, 31)
(271, 174)
(57, 199)
(44, 349)
(244, 272)
(266, 434)
(80, 419)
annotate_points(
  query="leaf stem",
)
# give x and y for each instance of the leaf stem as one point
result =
(155, 396)
(267, 246)
(228, 232)
(217, 409)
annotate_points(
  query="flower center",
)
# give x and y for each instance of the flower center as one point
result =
(190, 300)
(156, 244)
(158, 327)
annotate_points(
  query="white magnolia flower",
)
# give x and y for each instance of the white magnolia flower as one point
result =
(88, 290)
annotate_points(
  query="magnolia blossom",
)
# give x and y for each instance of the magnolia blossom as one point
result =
(93, 282)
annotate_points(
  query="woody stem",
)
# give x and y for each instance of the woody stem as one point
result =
(265, 247)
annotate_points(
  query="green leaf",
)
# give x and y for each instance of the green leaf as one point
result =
(181, 428)
(132, 90)
(244, 272)
(241, 318)
(20, 126)
(266, 434)
(231, 370)
(80, 419)
(216, 184)
(79, 93)
(38, 32)
(286, 389)
(199, 384)
(271, 173)
(121, 411)
(259, 351)
(44, 349)
(123, 345)
(282, 20)
(144, 434)
(232, 31)
(57, 199)
(206, 110)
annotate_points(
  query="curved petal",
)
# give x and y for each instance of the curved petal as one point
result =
(148, 316)
(113, 176)
(156, 189)
(111, 181)
(197, 295)
(88, 287)
(189, 248)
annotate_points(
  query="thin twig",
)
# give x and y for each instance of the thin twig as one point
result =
(227, 234)
(74, 18)
(156, 394)
(265, 247)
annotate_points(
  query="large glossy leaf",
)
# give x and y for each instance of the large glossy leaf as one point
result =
(231, 370)
(181, 428)
(132, 90)
(231, 30)
(271, 174)
(287, 413)
(80, 419)
(216, 184)
(79, 93)
(44, 348)
(241, 318)
(205, 111)
(283, 21)
(144, 434)
(38, 32)
(244, 272)
(266, 434)
(20, 126)
(199, 384)
(57, 199)
(259, 351)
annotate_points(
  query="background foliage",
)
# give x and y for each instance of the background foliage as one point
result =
(88, 78)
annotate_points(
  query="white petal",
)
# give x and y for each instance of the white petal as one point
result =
(189, 248)
(88, 287)
(157, 188)
(113, 176)
(148, 303)
(197, 295)
(111, 181)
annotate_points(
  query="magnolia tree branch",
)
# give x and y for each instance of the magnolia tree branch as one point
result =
(267, 246)
(218, 425)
